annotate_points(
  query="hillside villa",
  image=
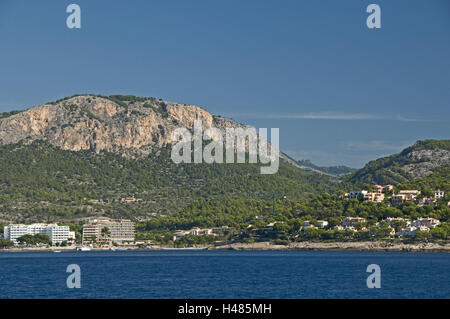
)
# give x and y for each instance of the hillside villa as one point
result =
(382, 192)
(197, 231)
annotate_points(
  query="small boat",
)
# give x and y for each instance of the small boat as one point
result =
(57, 251)
(84, 249)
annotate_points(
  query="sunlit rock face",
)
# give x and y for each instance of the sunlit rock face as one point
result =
(95, 123)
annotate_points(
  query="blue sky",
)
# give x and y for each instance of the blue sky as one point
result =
(339, 92)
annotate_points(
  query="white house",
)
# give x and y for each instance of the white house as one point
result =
(207, 231)
(412, 230)
(427, 222)
(439, 194)
(322, 223)
(355, 194)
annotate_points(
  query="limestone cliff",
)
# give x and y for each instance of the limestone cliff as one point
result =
(131, 127)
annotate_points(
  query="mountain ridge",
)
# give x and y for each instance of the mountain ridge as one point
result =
(414, 162)
(128, 125)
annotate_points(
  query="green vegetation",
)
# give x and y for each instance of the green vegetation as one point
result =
(158, 107)
(439, 179)
(130, 98)
(442, 231)
(8, 114)
(428, 145)
(240, 213)
(126, 100)
(72, 108)
(122, 100)
(190, 240)
(105, 231)
(39, 182)
(33, 240)
(6, 243)
(387, 170)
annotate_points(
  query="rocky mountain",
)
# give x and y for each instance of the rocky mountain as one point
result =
(420, 160)
(122, 124)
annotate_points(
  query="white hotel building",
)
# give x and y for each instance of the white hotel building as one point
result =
(57, 234)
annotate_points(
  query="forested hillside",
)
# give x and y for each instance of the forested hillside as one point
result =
(417, 161)
(40, 182)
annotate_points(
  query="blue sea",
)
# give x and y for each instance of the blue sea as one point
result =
(224, 274)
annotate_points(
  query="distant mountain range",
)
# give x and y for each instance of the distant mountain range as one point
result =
(336, 171)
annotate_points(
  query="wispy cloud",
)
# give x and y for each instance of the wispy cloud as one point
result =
(333, 116)
(376, 145)
(312, 116)
(403, 118)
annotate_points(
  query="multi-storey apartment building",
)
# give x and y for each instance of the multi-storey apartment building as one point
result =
(374, 197)
(117, 231)
(57, 234)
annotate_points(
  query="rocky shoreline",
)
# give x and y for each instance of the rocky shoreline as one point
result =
(306, 245)
(341, 246)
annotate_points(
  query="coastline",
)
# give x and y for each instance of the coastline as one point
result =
(341, 246)
(306, 245)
